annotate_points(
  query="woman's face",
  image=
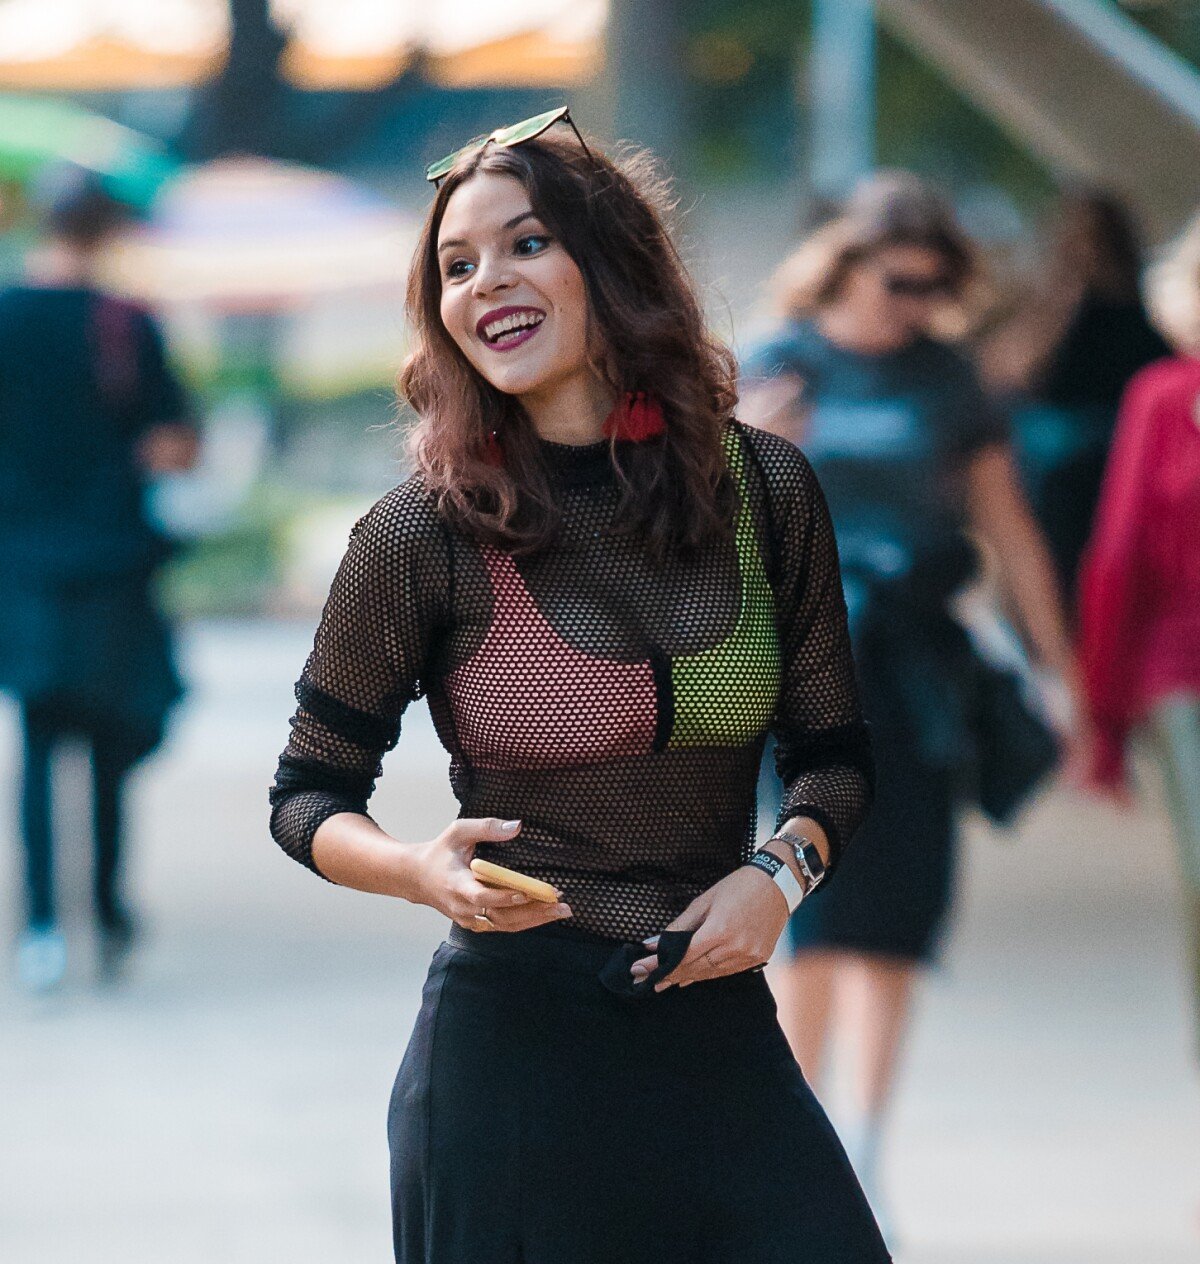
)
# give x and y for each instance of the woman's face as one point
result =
(896, 291)
(513, 299)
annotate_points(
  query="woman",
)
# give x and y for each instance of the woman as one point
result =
(911, 456)
(1064, 359)
(88, 407)
(608, 590)
(1140, 590)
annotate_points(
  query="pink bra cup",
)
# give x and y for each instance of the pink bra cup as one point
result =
(520, 700)
(575, 708)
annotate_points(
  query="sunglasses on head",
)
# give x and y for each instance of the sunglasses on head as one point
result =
(903, 286)
(513, 134)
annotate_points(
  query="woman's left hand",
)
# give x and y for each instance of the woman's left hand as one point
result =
(736, 923)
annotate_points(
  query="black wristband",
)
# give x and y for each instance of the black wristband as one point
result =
(769, 864)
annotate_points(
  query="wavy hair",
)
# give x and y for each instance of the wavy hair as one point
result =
(888, 208)
(644, 317)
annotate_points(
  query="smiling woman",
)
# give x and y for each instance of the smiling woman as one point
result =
(506, 281)
(556, 232)
(610, 591)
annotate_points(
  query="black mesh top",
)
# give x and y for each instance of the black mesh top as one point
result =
(618, 708)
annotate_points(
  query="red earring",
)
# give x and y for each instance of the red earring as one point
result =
(637, 415)
(493, 454)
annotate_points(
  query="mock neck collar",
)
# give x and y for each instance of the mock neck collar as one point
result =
(575, 464)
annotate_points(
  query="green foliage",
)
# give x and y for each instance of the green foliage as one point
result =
(1175, 22)
(231, 571)
(745, 64)
(741, 62)
(926, 125)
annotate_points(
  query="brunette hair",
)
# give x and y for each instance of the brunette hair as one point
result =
(1091, 251)
(890, 208)
(1095, 244)
(76, 207)
(609, 215)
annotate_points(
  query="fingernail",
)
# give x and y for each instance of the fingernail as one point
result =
(518, 898)
(650, 941)
(563, 910)
(510, 825)
(638, 972)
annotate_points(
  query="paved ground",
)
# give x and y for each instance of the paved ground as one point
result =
(227, 1104)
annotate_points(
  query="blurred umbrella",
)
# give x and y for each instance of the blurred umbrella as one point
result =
(250, 234)
(334, 44)
(36, 133)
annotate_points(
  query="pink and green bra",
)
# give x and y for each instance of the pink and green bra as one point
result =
(577, 708)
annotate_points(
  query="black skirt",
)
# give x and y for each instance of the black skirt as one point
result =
(95, 648)
(893, 892)
(539, 1118)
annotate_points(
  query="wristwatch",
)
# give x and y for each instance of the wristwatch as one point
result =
(808, 858)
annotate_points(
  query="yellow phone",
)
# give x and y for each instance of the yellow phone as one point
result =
(510, 880)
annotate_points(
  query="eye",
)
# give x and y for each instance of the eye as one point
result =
(456, 269)
(531, 244)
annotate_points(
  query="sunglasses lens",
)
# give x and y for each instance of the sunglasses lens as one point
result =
(436, 170)
(917, 287)
(528, 128)
(514, 134)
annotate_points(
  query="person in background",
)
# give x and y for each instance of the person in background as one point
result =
(88, 406)
(911, 454)
(1140, 579)
(1063, 360)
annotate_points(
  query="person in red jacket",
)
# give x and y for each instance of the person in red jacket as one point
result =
(1140, 582)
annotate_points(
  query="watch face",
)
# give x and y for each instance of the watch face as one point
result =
(812, 858)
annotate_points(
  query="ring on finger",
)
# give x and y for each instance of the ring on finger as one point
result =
(482, 916)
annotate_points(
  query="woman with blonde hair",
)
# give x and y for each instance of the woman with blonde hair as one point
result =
(912, 455)
(1140, 580)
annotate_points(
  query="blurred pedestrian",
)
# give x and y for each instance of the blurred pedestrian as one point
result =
(1064, 358)
(582, 575)
(88, 406)
(1140, 581)
(911, 455)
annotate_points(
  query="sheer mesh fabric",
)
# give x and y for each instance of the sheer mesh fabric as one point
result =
(617, 708)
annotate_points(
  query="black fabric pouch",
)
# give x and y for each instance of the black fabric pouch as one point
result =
(672, 948)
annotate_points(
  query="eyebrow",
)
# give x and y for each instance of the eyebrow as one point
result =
(512, 223)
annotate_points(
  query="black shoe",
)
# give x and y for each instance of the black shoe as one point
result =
(119, 932)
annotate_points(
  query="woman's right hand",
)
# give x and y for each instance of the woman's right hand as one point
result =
(445, 882)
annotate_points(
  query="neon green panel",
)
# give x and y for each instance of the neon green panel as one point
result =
(746, 665)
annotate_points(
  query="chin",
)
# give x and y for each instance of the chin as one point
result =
(517, 381)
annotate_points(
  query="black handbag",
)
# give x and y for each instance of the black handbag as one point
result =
(1014, 748)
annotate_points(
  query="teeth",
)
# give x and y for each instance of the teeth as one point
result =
(516, 320)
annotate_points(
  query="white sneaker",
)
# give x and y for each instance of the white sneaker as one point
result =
(41, 959)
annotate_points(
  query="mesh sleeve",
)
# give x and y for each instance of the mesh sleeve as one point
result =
(370, 654)
(823, 749)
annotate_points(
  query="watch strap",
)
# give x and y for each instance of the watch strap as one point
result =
(807, 856)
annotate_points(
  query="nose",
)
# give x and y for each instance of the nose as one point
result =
(491, 274)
